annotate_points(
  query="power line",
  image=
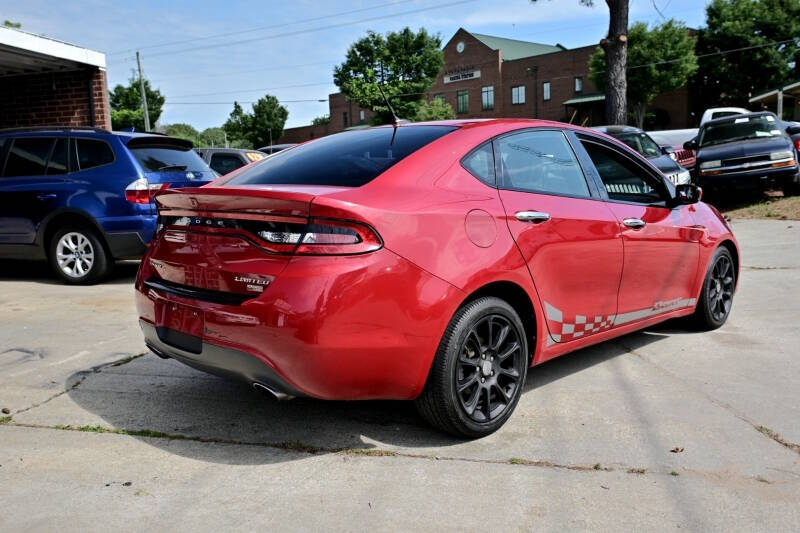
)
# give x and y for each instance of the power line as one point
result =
(259, 28)
(311, 30)
(244, 102)
(255, 90)
(219, 74)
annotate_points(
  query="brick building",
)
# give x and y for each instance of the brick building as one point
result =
(49, 82)
(488, 77)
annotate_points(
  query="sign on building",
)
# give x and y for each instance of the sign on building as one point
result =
(463, 75)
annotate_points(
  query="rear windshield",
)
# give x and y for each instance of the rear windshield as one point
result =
(348, 159)
(167, 158)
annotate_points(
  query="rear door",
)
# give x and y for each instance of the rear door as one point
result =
(32, 184)
(567, 235)
(661, 243)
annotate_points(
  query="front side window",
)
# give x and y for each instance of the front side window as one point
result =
(546, 91)
(28, 157)
(623, 179)
(92, 153)
(487, 98)
(224, 163)
(463, 101)
(578, 84)
(642, 143)
(480, 163)
(348, 159)
(518, 95)
(540, 161)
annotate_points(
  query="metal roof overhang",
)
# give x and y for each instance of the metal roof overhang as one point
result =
(793, 89)
(585, 99)
(26, 53)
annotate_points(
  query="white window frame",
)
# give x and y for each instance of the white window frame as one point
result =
(518, 95)
(546, 91)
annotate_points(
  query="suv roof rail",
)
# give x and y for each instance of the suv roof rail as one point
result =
(54, 127)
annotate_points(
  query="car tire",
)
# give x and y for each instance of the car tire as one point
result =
(468, 374)
(716, 295)
(77, 256)
(791, 187)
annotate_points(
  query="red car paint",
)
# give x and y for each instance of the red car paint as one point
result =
(368, 325)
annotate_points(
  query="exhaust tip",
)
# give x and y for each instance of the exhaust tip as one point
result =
(262, 388)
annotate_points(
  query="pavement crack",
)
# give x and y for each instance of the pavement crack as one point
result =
(83, 374)
(719, 403)
(753, 267)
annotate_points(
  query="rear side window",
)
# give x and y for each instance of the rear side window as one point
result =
(28, 157)
(58, 163)
(224, 163)
(480, 163)
(155, 158)
(540, 161)
(92, 153)
(348, 159)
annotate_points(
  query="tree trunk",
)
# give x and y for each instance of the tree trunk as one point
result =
(640, 111)
(615, 46)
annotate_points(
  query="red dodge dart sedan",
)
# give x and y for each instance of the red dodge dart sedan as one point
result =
(433, 262)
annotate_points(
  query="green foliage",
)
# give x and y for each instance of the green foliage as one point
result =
(129, 98)
(183, 131)
(212, 137)
(259, 127)
(11, 24)
(436, 109)
(405, 63)
(319, 121)
(730, 79)
(126, 118)
(660, 59)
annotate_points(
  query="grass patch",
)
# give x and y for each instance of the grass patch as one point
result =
(369, 452)
(674, 473)
(637, 470)
(768, 206)
(131, 432)
(297, 446)
(5, 420)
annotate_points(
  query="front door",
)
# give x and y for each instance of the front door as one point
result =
(661, 243)
(568, 237)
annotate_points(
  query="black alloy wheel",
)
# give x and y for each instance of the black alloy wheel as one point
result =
(716, 297)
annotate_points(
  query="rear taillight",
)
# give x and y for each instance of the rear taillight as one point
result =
(797, 143)
(321, 236)
(141, 191)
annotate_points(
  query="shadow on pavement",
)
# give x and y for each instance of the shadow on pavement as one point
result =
(150, 394)
(39, 271)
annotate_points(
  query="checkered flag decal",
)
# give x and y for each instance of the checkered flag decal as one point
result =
(564, 329)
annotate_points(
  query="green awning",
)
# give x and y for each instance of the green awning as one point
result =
(585, 99)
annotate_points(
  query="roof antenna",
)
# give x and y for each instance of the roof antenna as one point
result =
(395, 119)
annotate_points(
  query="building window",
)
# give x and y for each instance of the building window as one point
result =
(546, 91)
(487, 98)
(344, 118)
(361, 116)
(518, 95)
(463, 101)
(578, 84)
(439, 96)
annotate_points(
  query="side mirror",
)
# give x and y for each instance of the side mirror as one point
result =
(667, 150)
(691, 144)
(687, 193)
(794, 129)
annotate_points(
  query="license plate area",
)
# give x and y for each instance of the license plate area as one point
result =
(180, 326)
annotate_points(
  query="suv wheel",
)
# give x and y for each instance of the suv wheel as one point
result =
(78, 256)
(478, 372)
(791, 187)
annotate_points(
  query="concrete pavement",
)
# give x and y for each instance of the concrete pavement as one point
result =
(101, 438)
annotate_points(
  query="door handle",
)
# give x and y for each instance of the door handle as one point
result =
(635, 223)
(537, 217)
(46, 196)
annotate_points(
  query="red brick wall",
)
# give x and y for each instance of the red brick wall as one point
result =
(303, 133)
(58, 99)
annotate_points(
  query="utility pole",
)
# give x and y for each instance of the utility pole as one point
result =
(270, 136)
(144, 96)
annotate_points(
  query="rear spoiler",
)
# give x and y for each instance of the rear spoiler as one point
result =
(159, 141)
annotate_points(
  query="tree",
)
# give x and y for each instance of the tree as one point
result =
(261, 127)
(750, 54)
(321, 120)
(127, 118)
(129, 98)
(183, 131)
(615, 46)
(662, 59)
(405, 63)
(436, 109)
(11, 24)
(213, 137)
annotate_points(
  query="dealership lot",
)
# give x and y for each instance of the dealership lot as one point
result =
(659, 429)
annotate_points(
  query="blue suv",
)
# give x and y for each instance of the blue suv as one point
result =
(81, 198)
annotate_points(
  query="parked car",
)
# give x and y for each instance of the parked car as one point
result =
(675, 139)
(82, 197)
(428, 261)
(224, 160)
(751, 151)
(275, 148)
(662, 157)
(721, 112)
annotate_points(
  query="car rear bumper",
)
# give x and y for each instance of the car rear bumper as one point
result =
(337, 328)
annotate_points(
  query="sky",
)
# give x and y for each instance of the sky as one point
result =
(204, 54)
